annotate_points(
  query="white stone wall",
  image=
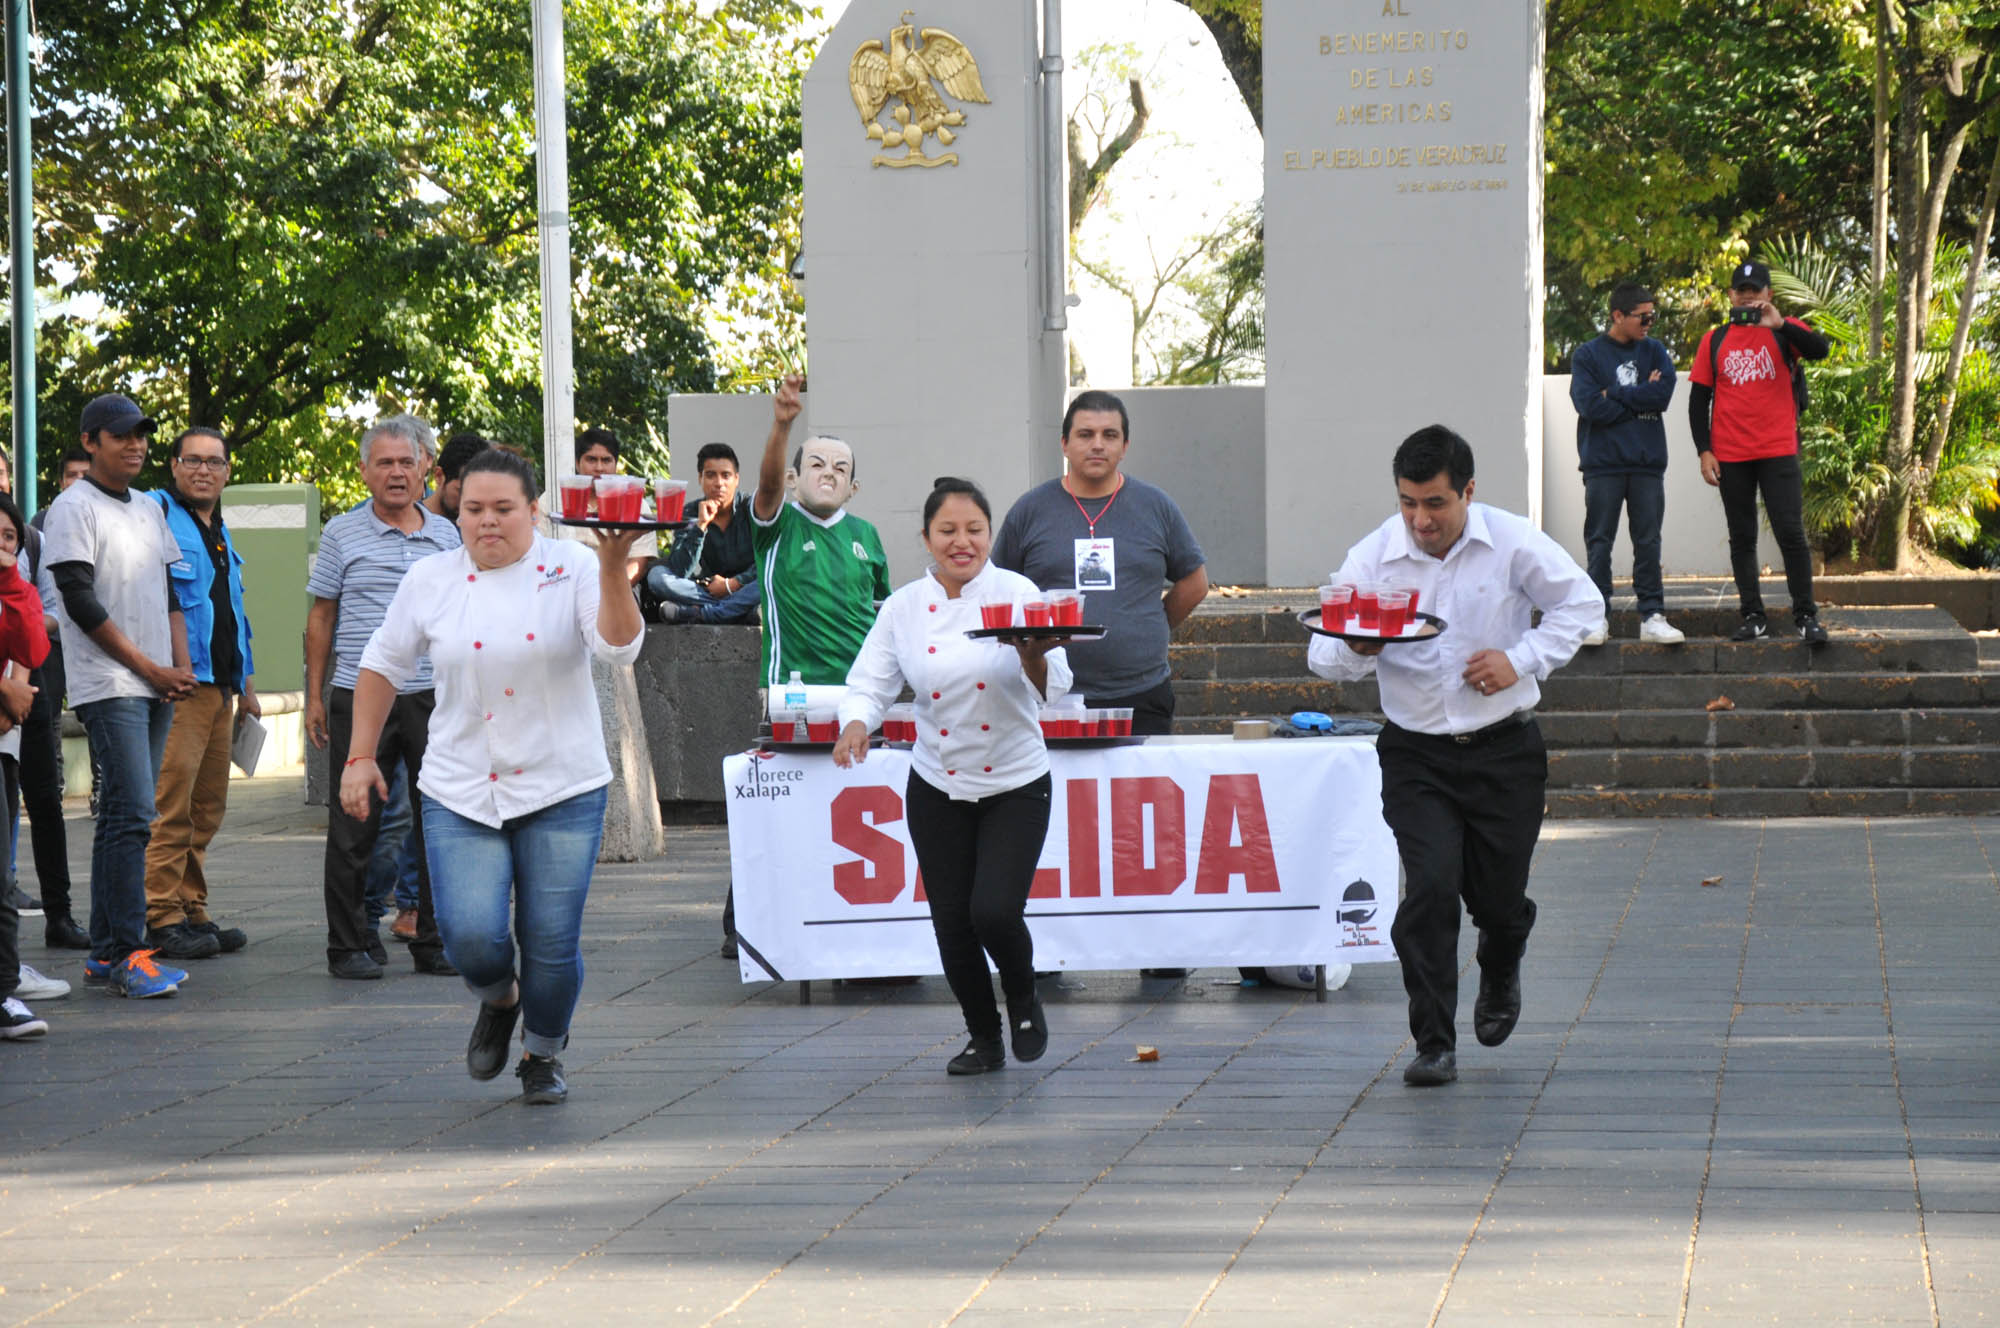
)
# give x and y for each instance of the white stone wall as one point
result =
(1402, 170)
(925, 343)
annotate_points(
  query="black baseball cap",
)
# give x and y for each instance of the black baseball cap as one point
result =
(1750, 276)
(117, 415)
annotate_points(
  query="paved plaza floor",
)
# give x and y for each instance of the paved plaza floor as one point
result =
(1771, 1099)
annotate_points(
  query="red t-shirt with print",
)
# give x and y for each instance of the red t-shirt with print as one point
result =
(1753, 415)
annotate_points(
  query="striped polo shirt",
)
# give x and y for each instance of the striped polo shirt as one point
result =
(360, 564)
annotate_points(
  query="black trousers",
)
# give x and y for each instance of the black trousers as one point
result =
(1782, 483)
(42, 786)
(1466, 818)
(350, 842)
(1152, 709)
(978, 861)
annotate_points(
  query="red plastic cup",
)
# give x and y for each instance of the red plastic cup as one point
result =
(669, 499)
(1070, 725)
(1051, 726)
(575, 493)
(1035, 613)
(1066, 609)
(1392, 611)
(1412, 592)
(1367, 614)
(1118, 722)
(618, 498)
(997, 613)
(781, 730)
(818, 732)
(1093, 724)
(1336, 604)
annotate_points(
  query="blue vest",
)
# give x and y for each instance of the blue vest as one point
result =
(193, 577)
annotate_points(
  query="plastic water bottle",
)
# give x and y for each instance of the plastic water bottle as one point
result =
(795, 703)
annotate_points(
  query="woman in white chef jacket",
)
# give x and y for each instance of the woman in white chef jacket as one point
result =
(978, 798)
(514, 771)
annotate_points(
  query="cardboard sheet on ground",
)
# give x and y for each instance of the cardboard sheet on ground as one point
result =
(1158, 855)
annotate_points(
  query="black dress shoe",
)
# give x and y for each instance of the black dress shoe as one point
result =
(1031, 1032)
(1431, 1068)
(979, 1056)
(376, 950)
(728, 950)
(1498, 1006)
(433, 963)
(63, 934)
(486, 1053)
(354, 966)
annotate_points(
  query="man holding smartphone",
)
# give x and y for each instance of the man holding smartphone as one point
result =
(1744, 411)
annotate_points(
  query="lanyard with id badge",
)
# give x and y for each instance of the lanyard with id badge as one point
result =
(1096, 559)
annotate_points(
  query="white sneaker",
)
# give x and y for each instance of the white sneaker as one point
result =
(1598, 634)
(39, 986)
(1656, 630)
(18, 1021)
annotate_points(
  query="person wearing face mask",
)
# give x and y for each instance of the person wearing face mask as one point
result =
(978, 797)
(513, 792)
(822, 568)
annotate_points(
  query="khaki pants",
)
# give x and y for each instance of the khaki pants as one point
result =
(188, 802)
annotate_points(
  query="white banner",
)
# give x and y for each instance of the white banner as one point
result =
(1159, 855)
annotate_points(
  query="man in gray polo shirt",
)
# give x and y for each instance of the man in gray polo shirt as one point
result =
(363, 555)
(1126, 546)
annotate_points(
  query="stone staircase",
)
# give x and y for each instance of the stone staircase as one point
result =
(1898, 714)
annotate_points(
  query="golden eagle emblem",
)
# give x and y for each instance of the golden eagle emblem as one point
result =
(904, 72)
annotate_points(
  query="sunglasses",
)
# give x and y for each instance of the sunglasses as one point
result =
(1646, 320)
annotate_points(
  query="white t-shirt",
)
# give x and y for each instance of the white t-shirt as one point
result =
(125, 538)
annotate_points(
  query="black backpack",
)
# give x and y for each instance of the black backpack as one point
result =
(1800, 396)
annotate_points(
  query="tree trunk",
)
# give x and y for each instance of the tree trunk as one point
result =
(1895, 530)
(1243, 56)
(1086, 176)
(1975, 268)
(1878, 246)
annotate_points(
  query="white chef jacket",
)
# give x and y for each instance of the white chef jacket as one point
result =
(1486, 587)
(978, 717)
(516, 726)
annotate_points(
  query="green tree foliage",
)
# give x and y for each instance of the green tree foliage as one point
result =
(1851, 480)
(278, 216)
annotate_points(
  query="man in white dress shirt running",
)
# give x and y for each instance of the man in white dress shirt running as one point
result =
(1463, 765)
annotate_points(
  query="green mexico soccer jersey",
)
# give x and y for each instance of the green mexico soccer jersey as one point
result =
(822, 581)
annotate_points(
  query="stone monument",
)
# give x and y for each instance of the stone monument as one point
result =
(925, 328)
(1403, 253)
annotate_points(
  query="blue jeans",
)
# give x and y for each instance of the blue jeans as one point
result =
(733, 607)
(1644, 498)
(526, 880)
(128, 736)
(392, 864)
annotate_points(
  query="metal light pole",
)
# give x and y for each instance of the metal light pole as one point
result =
(552, 206)
(21, 251)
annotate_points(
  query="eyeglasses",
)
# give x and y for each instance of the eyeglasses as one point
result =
(204, 463)
(1646, 320)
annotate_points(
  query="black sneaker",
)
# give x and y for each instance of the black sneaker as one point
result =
(1809, 629)
(178, 941)
(231, 939)
(1031, 1032)
(486, 1051)
(24, 903)
(63, 934)
(980, 1055)
(728, 950)
(541, 1080)
(1754, 627)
